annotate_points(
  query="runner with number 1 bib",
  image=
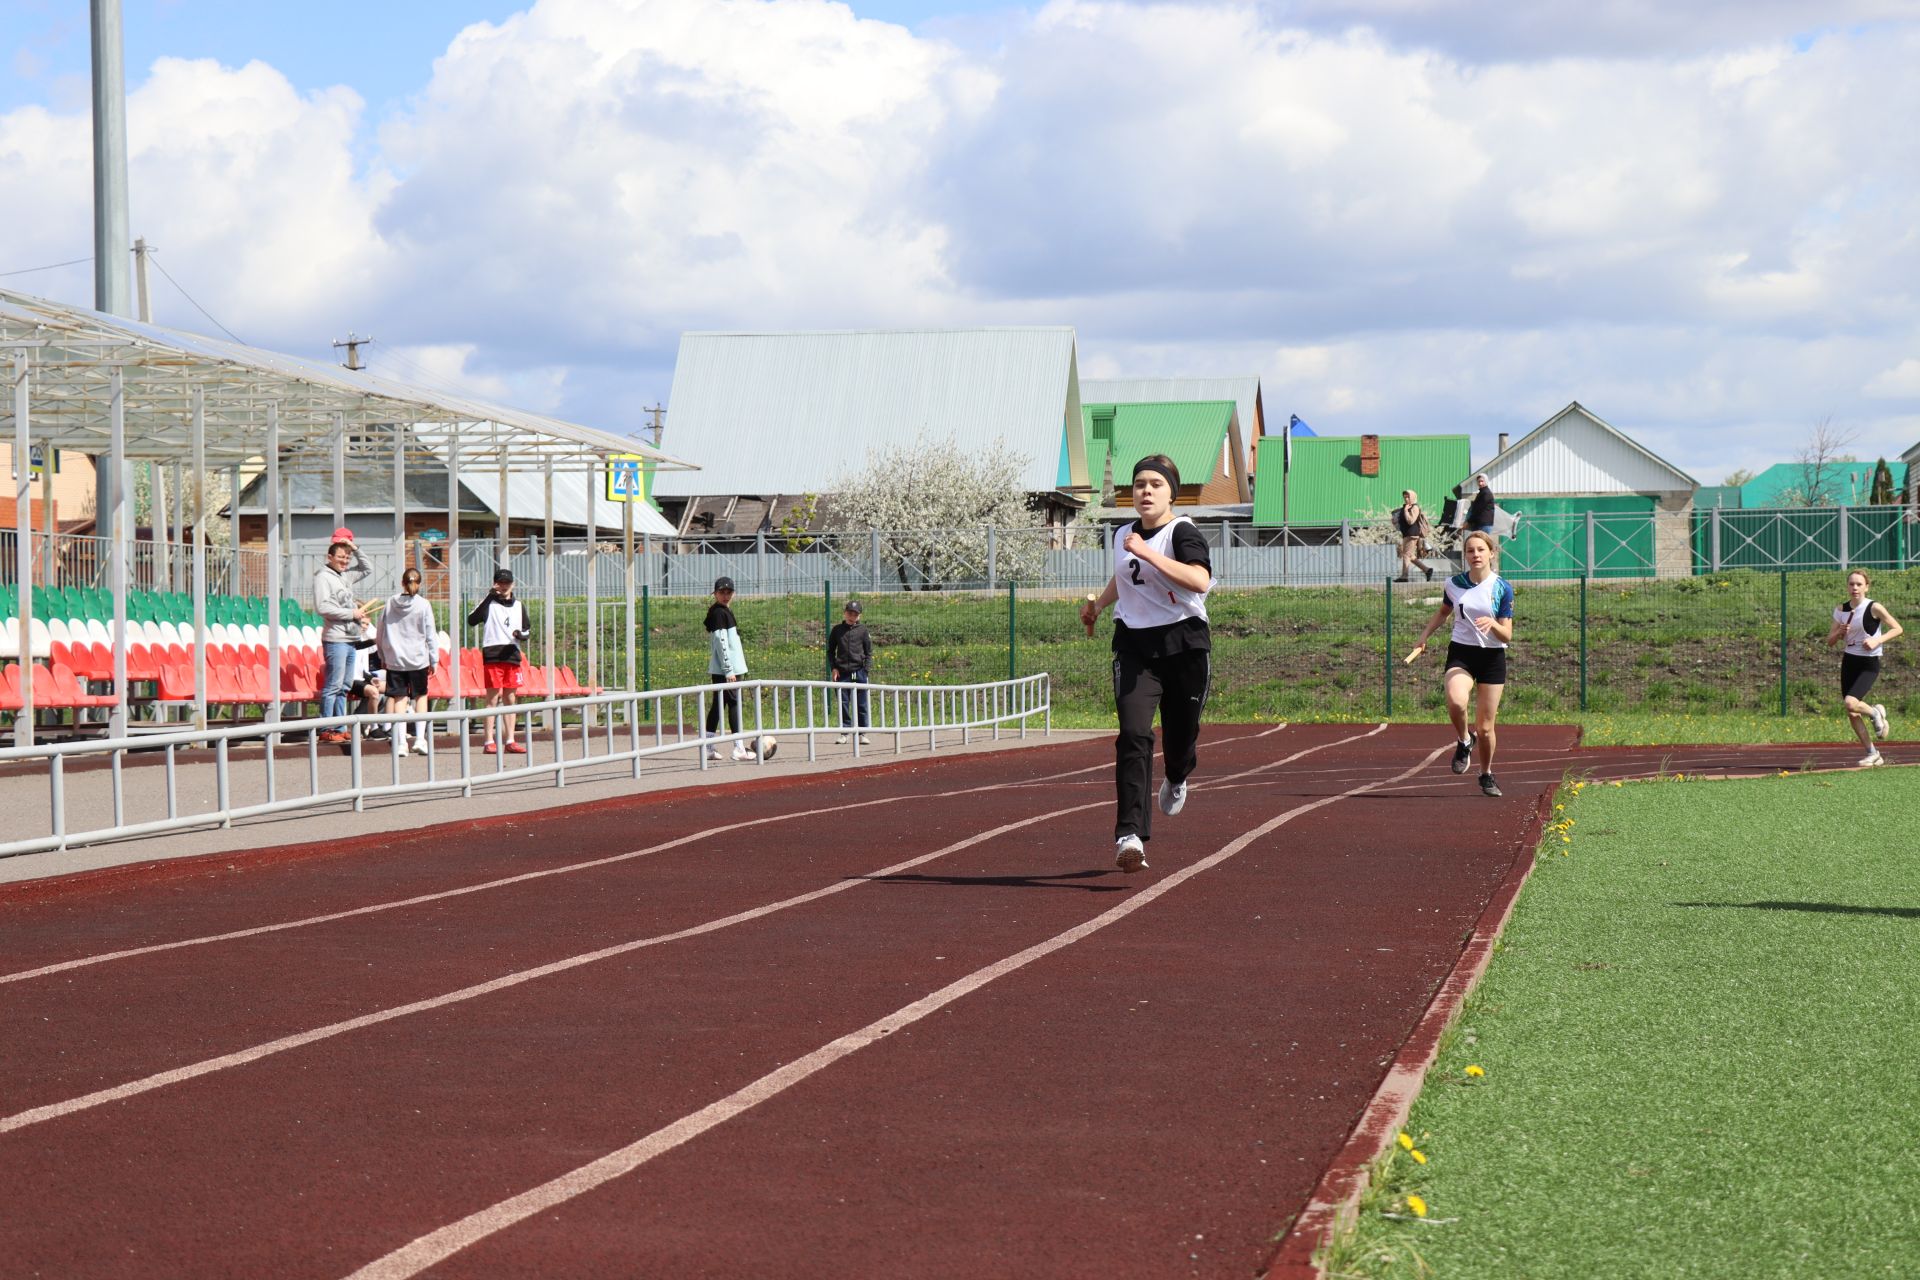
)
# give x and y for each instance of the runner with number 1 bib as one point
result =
(1480, 602)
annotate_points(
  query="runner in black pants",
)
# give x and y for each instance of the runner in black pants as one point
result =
(1161, 647)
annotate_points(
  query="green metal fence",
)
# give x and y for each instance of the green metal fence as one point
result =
(1738, 641)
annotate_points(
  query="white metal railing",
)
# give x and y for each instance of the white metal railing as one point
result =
(607, 728)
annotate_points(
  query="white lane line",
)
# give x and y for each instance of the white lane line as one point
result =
(374, 908)
(437, 1246)
(241, 1057)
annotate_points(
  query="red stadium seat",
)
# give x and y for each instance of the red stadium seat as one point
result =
(102, 666)
(141, 663)
(297, 687)
(10, 687)
(71, 693)
(440, 682)
(176, 682)
(222, 686)
(253, 683)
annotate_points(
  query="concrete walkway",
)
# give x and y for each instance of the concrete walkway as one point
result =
(89, 797)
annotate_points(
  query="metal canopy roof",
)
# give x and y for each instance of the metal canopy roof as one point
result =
(73, 353)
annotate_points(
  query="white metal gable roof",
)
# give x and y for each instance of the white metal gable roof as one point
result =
(786, 413)
(1575, 452)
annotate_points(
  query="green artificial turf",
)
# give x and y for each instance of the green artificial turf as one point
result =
(1698, 1034)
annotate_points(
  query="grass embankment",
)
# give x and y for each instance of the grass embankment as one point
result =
(1697, 1037)
(1670, 654)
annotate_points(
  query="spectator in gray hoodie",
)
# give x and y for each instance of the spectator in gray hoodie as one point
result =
(340, 611)
(407, 649)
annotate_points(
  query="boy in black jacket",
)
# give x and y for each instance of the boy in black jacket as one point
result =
(849, 654)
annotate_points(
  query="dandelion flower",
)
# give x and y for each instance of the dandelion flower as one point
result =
(1418, 1206)
(1406, 1143)
(1475, 1072)
(1419, 1156)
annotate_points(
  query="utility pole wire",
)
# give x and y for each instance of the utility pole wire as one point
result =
(27, 271)
(153, 256)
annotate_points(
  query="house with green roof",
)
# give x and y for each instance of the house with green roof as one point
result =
(1358, 478)
(1201, 436)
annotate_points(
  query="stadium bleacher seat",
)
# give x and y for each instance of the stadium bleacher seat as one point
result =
(176, 682)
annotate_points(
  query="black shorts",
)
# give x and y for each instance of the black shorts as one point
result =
(1485, 665)
(1857, 674)
(407, 684)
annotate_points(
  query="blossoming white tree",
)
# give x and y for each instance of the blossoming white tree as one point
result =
(933, 502)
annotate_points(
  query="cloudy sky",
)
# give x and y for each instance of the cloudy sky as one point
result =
(1701, 220)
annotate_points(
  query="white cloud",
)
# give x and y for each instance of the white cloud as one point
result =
(247, 189)
(692, 163)
(1698, 220)
(1900, 382)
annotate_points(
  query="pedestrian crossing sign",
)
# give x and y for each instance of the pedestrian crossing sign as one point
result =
(626, 478)
(39, 460)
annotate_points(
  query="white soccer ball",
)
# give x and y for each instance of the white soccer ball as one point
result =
(766, 746)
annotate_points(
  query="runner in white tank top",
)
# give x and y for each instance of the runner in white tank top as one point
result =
(1162, 572)
(1481, 604)
(1862, 626)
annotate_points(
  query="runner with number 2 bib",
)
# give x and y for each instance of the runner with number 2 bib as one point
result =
(1162, 572)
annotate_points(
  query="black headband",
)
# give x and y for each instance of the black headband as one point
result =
(1150, 464)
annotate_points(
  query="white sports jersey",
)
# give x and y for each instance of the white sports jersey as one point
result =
(1860, 624)
(1490, 599)
(1145, 597)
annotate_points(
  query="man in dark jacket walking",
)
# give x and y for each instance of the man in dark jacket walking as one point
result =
(849, 654)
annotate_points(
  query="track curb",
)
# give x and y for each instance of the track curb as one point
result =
(1335, 1197)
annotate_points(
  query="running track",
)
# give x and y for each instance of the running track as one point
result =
(901, 1021)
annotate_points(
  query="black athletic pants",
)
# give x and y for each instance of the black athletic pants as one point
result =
(1176, 687)
(728, 695)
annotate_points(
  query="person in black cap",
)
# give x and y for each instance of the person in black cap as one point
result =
(849, 654)
(1161, 650)
(503, 628)
(726, 665)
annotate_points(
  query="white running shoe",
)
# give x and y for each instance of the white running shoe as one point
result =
(1879, 710)
(865, 741)
(400, 744)
(423, 744)
(744, 752)
(840, 741)
(1130, 854)
(713, 753)
(1173, 797)
(1872, 758)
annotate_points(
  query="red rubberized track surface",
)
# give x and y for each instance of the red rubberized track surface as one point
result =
(1155, 1094)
